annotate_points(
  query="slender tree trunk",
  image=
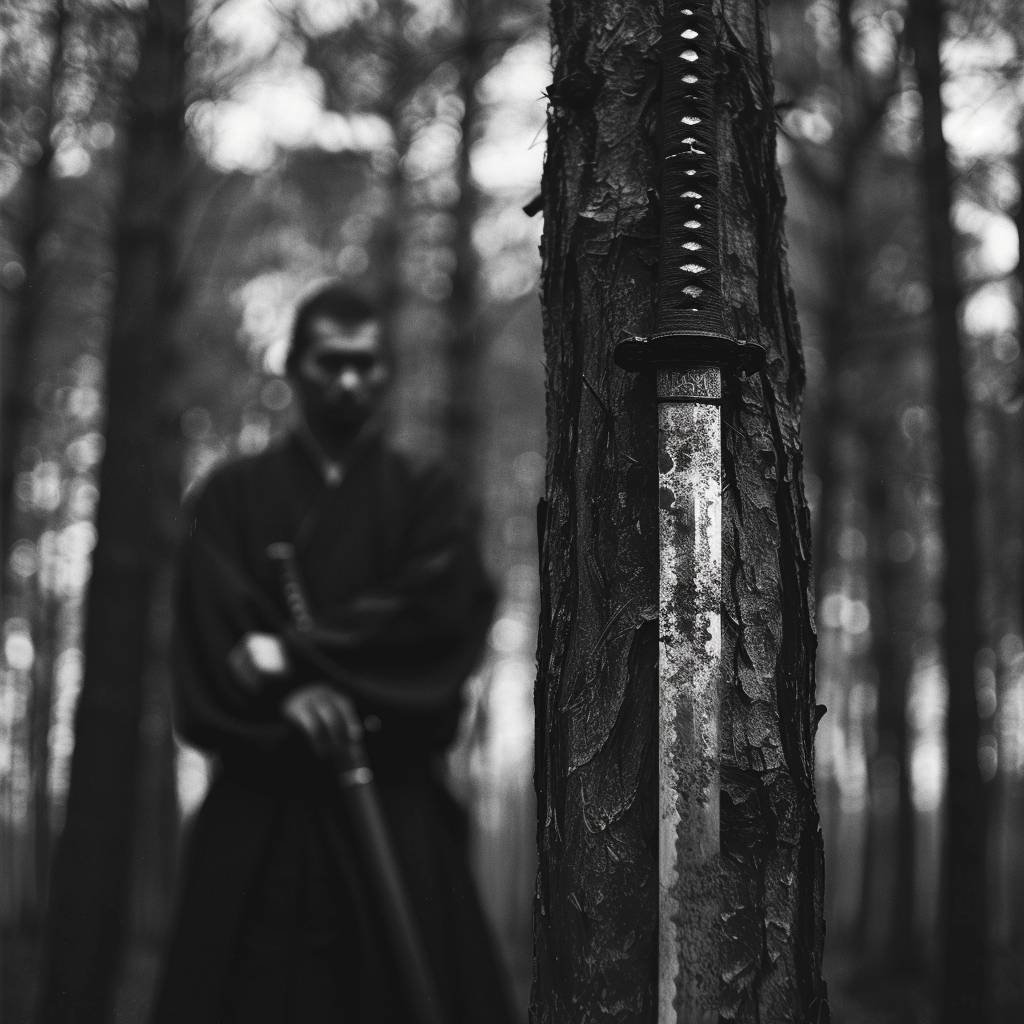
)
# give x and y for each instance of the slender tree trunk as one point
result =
(836, 336)
(829, 453)
(596, 912)
(32, 292)
(155, 847)
(891, 634)
(870, 835)
(157, 813)
(466, 347)
(47, 636)
(964, 915)
(1001, 527)
(89, 888)
(1015, 786)
(863, 101)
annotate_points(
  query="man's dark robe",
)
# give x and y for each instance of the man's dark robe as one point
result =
(277, 922)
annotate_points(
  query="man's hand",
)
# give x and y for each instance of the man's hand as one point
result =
(327, 718)
(256, 658)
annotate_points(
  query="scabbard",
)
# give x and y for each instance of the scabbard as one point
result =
(387, 886)
(375, 851)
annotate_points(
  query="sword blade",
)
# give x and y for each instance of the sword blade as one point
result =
(689, 672)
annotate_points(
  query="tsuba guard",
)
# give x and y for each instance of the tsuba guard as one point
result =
(685, 351)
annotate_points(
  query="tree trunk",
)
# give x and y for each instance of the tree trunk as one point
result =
(466, 350)
(46, 633)
(890, 589)
(1001, 526)
(870, 832)
(864, 102)
(155, 849)
(1015, 786)
(964, 913)
(32, 293)
(89, 888)
(596, 909)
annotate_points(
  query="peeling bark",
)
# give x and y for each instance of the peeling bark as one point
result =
(596, 907)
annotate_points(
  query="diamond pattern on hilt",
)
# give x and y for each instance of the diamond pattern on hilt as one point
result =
(690, 324)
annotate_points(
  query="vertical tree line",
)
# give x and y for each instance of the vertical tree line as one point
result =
(965, 957)
(37, 221)
(912, 408)
(86, 915)
(113, 877)
(889, 585)
(918, 588)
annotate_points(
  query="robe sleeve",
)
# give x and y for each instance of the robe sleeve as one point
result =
(214, 607)
(408, 643)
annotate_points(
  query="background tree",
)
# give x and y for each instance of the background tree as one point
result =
(36, 222)
(965, 963)
(840, 83)
(890, 581)
(260, 224)
(420, 70)
(890, 402)
(87, 905)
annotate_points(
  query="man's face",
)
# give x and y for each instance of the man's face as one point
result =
(342, 375)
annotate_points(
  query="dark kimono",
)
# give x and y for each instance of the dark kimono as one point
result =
(276, 921)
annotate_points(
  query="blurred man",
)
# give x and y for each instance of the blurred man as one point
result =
(329, 587)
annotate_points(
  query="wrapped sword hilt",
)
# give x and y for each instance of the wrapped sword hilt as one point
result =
(690, 329)
(282, 554)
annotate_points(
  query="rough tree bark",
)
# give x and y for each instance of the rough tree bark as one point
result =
(88, 895)
(595, 914)
(964, 913)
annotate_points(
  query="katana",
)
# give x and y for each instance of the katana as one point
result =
(355, 780)
(691, 351)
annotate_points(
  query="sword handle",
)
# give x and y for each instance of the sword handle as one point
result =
(282, 554)
(690, 330)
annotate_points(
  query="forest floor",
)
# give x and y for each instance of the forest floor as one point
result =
(857, 995)
(865, 995)
(18, 968)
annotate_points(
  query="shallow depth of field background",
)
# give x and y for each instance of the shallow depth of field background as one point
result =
(347, 139)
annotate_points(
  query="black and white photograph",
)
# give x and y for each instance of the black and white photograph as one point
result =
(512, 511)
